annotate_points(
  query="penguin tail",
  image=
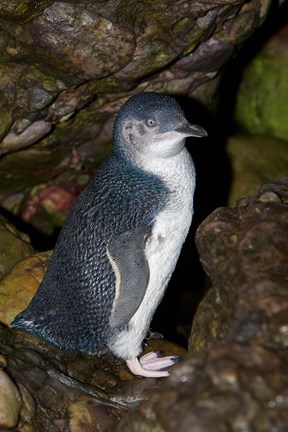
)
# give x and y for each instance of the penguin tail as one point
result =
(22, 323)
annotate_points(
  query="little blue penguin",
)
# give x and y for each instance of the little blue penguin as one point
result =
(121, 241)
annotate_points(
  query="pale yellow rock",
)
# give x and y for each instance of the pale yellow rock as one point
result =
(14, 246)
(18, 287)
(80, 417)
(10, 402)
(28, 411)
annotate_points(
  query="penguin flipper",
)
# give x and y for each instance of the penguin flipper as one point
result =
(127, 257)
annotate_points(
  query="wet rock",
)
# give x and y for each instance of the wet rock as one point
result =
(86, 415)
(18, 287)
(82, 27)
(245, 248)
(14, 9)
(254, 161)
(14, 246)
(67, 66)
(10, 402)
(28, 410)
(51, 390)
(24, 169)
(71, 391)
(232, 387)
(33, 133)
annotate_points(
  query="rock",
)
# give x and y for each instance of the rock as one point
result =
(246, 247)
(40, 371)
(28, 411)
(254, 161)
(14, 9)
(14, 246)
(71, 391)
(18, 287)
(81, 56)
(231, 387)
(10, 402)
(86, 415)
(6, 120)
(62, 86)
(32, 133)
(263, 92)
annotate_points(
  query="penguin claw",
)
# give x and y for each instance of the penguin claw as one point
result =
(151, 365)
(154, 335)
(151, 356)
(154, 361)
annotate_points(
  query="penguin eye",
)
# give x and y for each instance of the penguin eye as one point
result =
(150, 122)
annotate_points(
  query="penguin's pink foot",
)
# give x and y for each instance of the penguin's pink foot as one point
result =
(151, 365)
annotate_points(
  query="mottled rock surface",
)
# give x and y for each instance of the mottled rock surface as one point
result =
(10, 402)
(244, 250)
(20, 284)
(61, 391)
(66, 67)
(14, 246)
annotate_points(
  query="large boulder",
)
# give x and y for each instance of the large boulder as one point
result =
(20, 284)
(68, 66)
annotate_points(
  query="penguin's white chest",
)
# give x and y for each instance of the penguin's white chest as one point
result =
(162, 250)
(169, 233)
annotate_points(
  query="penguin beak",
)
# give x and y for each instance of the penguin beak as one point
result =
(190, 129)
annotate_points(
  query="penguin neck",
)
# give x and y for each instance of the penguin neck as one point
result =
(174, 171)
(161, 165)
(155, 161)
(174, 167)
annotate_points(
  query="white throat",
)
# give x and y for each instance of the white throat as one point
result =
(171, 164)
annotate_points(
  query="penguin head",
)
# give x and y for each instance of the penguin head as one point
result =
(152, 125)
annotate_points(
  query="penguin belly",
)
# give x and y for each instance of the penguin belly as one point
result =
(162, 251)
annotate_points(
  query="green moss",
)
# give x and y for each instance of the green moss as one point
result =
(194, 39)
(45, 74)
(82, 126)
(5, 121)
(104, 85)
(27, 168)
(36, 72)
(25, 9)
(262, 103)
(243, 26)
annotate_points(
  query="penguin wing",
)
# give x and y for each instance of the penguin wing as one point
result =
(127, 257)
